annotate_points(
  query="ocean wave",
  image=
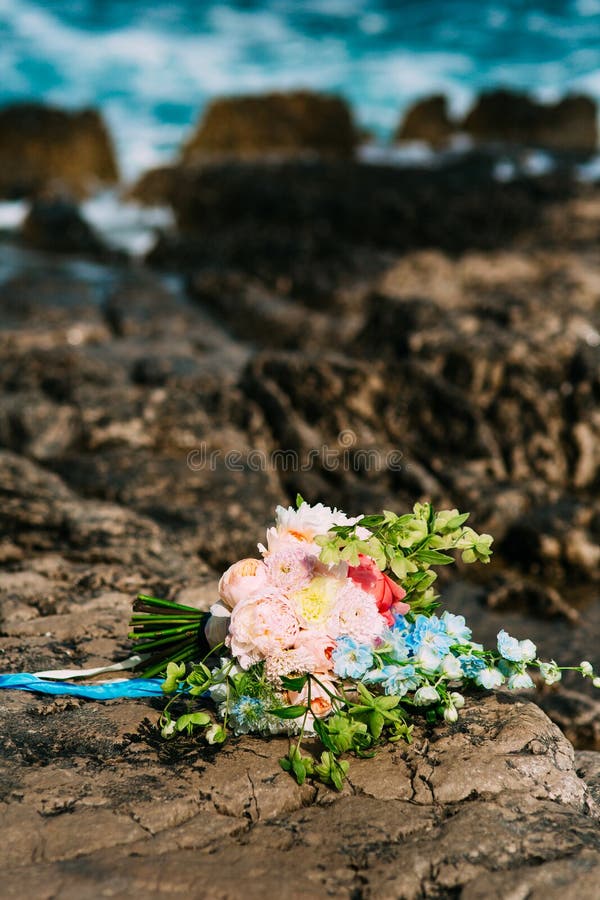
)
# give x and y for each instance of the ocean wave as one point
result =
(152, 68)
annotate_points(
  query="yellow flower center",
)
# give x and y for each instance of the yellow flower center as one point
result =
(315, 601)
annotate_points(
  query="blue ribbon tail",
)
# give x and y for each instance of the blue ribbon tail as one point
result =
(109, 690)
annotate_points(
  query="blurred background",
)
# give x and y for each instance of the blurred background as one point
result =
(346, 231)
(152, 67)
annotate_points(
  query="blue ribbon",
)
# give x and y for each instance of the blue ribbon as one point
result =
(109, 690)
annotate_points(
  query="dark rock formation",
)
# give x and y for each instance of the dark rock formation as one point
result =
(427, 120)
(45, 148)
(507, 116)
(293, 124)
(56, 225)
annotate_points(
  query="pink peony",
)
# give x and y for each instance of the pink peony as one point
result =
(245, 578)
(388, 594)
(290, 567)
(318, 647)
(356, 614)
(261, 626)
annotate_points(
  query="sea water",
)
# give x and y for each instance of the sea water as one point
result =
(152, 66)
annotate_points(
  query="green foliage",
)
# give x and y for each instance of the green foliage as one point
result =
(175, 676)
(405, 547)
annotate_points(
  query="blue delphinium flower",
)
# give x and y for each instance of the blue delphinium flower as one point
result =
(457, 628)
(396, 680)
(351, 659)
(471, 665)
(431, 632)
(515, 651)
(395, 639)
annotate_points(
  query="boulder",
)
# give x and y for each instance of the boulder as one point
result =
(290, 125)
(427, 120)
(43, 147)
(56, 225)
(510, 117)
(154, 187)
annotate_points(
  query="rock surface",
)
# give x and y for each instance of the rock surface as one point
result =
(427, 120)
(507, 117)
(364, 336)
(293, 124)
(501, 115)
(57, 226)
(43, 148)
(94, 805)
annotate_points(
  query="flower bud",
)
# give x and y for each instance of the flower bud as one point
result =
(596, 681)
(450, 714)
(587, 670)
(457, 699)
(426, 695)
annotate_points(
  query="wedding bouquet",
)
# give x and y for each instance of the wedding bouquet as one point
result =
(332, 637)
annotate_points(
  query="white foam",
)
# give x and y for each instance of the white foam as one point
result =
(12, 214)
(409, 153)
(125, 225)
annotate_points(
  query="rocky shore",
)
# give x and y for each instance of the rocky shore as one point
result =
(367, 335)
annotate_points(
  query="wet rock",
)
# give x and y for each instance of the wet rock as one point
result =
(294, 124)
(507, 116)
(427, 120)
(44, 147)
(326, 229)
(114, 807)
(155, 187)
(55, 225)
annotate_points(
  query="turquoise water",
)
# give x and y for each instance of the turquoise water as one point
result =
(152, 66)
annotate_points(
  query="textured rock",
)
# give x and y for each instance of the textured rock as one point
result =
(502, 115)
(427, 120)
(46, 148)
(57, 226)
(292, 124)
(113, 811)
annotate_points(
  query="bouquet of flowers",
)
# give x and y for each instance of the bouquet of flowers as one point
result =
(332, 637)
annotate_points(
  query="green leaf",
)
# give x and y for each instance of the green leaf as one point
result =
(387, 702)
(376, 723)
(288, 712)
(299, 770)
(175, 674)
(433, 557)
(299, 500)
(295, 683)
(190, 719)
(456, 522)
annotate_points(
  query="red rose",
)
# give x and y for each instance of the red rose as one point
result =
(386, 591)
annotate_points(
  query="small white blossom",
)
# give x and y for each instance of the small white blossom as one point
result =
(550, 672)
(587, 670)
(520, 681)
(596, 682)
(457, 699)
(450, 714)
(426, 695)
(451, 667)
(490, 678)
